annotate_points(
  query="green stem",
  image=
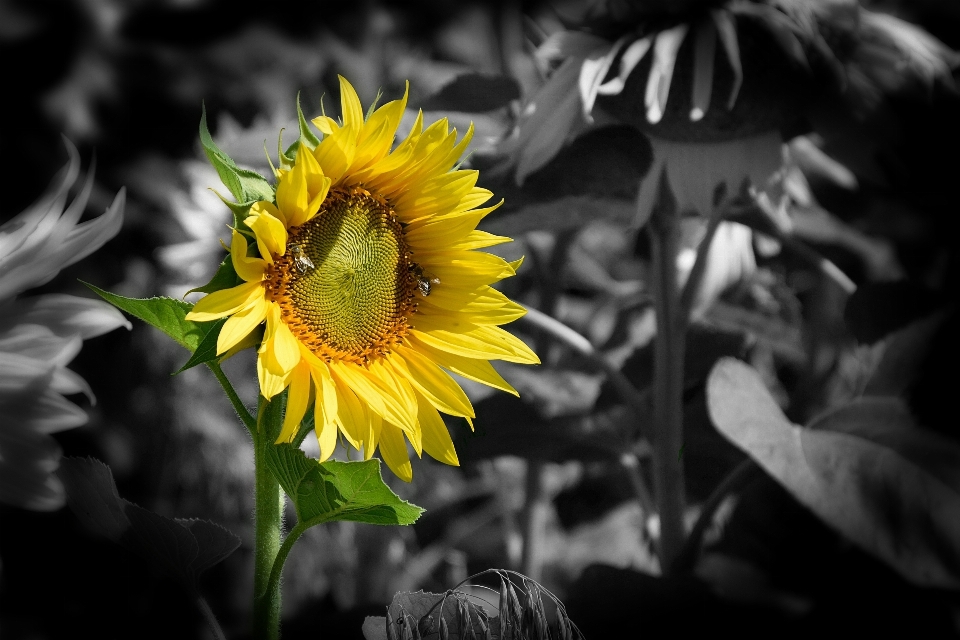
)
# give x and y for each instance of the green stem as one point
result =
(238, 405)
(668, 349)
(268, 505)
(272, 589)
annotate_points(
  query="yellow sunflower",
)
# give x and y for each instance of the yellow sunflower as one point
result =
(367, 276)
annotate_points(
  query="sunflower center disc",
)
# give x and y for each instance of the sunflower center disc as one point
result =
(345, 285)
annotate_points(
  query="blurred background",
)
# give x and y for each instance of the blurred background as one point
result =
(541, 488)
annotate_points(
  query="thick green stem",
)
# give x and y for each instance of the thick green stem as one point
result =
(268, 505)
(272, 589)
(668, 349)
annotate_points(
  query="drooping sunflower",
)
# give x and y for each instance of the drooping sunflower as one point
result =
(41, 334)
(366, 275)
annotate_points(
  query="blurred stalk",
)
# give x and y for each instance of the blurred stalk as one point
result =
(735, 481)
(532, 523)
(668, 350)
(562, 333)
(210, 618)
(268, 505)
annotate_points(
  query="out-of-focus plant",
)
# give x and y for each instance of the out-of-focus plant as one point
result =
(359, 279)
(41, 334)
(779, 68)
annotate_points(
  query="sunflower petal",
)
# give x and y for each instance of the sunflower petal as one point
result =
(249, 268)
(240, 325)
(371, 438)
(394, 452)
(270, 230)
(705, 48)
(381, 399)
(292, 196)
(631, 57)
(434, 383)
(280, 347)
(661, 72)
(325, 410)
(350, 106)
(436, 439)
(298, 397)
(271, 383)
(218, 304)
(486, 342)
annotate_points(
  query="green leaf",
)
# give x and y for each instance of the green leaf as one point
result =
(306, 135)
(865, 469)
(93, 497)
(225, 278)
(182, 548)
(245, 185)
(165, 314)
(334, 490)
(207, 349)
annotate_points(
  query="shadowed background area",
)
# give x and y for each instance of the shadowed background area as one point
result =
(125, 82)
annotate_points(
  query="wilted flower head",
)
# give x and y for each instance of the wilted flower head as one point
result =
(714, 84)
(40, 335)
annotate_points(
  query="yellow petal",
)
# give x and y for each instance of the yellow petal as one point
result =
(434, 383)
(443, 231)
(351, 415)
(478, 239)
(325, 411)
(270, 383)
(298, 397)
(226, 302)
(335, 154)
(470, 368)
(401, 390)
(436, 439)
(249, 268)
(317, 183)
(280, 347)
(268, 207)
(375, 394)
(270, 231)
(350, 105)
(292, 194)
(240, 325)
(479, 314)
(394, 452)
(371, 438)
(481, 342)
(253, 339)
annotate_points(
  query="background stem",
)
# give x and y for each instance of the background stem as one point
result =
(669, 342)
(532, 526)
